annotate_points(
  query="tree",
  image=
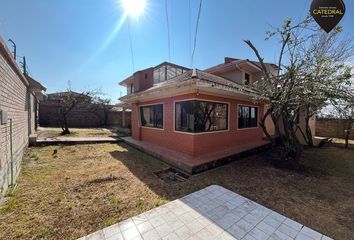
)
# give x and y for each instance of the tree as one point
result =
(343, 110)
(306, 76)
(70, 100)
(328, 74)
(99, 106)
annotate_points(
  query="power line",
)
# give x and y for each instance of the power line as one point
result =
(168, 32)
(131, 45)
(196, 31)
(189, 30)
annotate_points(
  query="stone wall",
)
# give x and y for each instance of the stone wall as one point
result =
(326, 127)
(15, 101)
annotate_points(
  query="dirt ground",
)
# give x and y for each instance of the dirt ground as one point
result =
(75, 190)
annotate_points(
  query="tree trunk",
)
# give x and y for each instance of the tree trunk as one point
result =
(347, 133)
(309, 136)
(65, 126)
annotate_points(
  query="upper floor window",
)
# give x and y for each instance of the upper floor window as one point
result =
(151, 116)
(166, 72)
(247, 79)
(200, 116)
(130, 89)
(247, 116)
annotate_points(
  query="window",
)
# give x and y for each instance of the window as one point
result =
(247, 117)
(200, 116)
(247, 79)
(166, 72)
(152, 116)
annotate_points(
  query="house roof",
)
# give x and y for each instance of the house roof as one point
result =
(128, 79)
(35, 84)
(193, 80)
(234, 62)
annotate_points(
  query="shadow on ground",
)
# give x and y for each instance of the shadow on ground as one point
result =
(307, 196)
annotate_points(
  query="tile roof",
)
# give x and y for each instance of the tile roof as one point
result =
(197, 78)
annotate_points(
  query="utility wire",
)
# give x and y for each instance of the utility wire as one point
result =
(189, 30)
(168, 32)
(196, 31)
(131, 45)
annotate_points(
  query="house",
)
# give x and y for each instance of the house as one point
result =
(196, 119)
(36, 89)
(19, 98)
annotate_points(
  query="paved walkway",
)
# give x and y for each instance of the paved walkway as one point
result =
(211, 213)
(76, 140)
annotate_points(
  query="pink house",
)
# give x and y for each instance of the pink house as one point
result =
(196, 119)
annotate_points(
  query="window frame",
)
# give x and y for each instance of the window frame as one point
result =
(237, 115)
(244, 78)
(163, 115)
(202, 100)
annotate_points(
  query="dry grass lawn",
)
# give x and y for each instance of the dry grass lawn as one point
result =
(84, 188)
(52, 132)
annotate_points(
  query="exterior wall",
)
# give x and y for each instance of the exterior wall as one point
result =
(302, 125)
(233, 75)
(14, 100)
(48, 117)
(238, 76)
(141, 83)
(32, 113)
(115, 118)
(200, 143)
(326, 127)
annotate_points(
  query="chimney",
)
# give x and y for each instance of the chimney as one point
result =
(228, 59)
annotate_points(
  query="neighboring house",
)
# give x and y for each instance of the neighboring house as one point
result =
(19, 98)
(192, 118)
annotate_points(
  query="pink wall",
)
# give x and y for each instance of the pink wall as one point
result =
(195, 144)
(141, 83)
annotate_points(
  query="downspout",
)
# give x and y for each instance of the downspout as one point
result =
(11, 155)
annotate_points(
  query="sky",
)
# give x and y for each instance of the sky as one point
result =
(87, 42)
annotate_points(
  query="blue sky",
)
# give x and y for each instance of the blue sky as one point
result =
(73, 39)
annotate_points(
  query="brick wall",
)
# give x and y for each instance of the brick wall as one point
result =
(15, 100)
(326, 127)
(115, 118)
(80, 118)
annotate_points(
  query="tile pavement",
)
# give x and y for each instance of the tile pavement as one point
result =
(211, 213)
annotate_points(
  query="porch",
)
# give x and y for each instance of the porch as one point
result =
(195, 164)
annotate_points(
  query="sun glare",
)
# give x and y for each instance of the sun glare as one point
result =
(133, 8)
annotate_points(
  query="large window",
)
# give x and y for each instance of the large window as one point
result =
(152, 116)
(199, 116)
(247, 116)
(166, 72)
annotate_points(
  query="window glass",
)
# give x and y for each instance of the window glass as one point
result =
(247, 116)
(201, 116)
(247, 79)
(152, 116)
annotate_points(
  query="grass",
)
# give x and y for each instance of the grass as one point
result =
(51, 132)
(89, 187)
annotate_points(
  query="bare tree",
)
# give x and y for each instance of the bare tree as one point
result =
(306, 76)
(70, 100)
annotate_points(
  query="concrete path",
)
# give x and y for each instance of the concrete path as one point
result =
(76, 140)
(211, 213)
